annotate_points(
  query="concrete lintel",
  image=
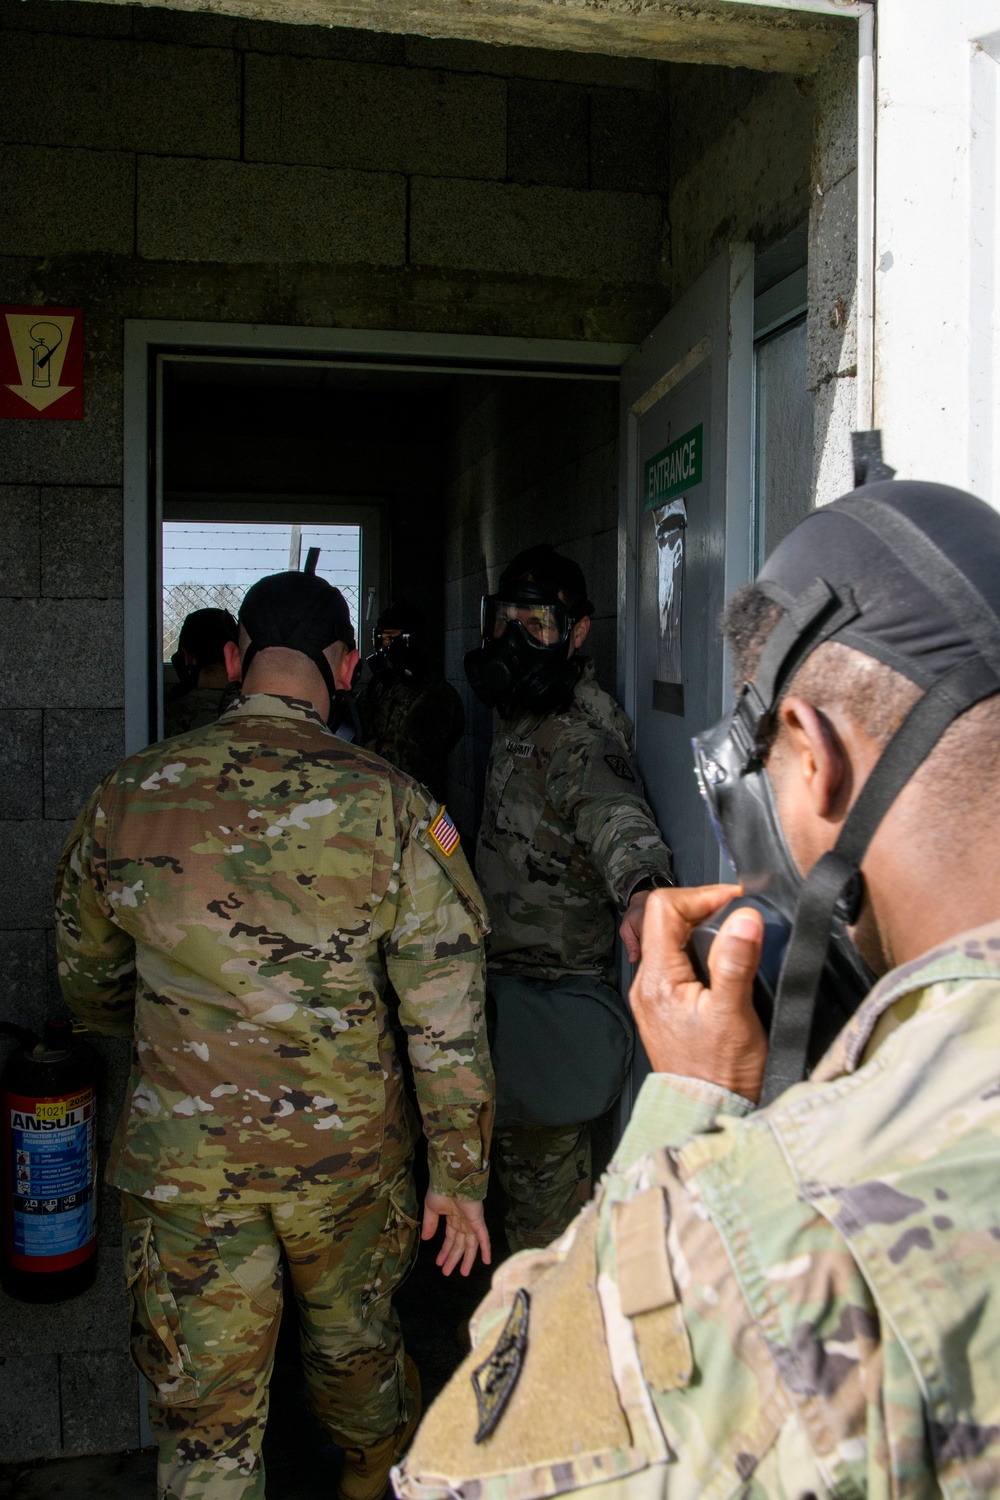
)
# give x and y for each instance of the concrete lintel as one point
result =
(690, 31)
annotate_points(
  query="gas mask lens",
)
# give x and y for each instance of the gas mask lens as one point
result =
(542, 625)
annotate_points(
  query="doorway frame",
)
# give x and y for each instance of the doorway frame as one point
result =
(148, 342)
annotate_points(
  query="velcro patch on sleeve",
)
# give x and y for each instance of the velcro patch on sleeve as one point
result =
(444, 833)
(494, 1380)
(620, 766)
(645, 1279)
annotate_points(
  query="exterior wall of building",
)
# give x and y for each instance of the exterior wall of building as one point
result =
(937, 241)
(200, 167)
(197, 166)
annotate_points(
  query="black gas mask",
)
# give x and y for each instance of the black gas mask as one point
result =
(393, 660)
(909, 574)
(524, 660)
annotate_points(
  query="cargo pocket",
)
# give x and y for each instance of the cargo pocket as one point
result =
(156, 1338)
(395, 1251)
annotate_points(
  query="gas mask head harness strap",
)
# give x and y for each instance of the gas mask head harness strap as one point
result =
(913, 579)
(525, 659)
(300, 612)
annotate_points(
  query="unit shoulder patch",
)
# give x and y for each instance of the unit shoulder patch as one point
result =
(620, 766)
(494, 1380)
(444, 833)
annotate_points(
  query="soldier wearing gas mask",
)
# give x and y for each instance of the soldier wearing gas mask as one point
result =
(410, 715)
(801, 1298)
(568, 848)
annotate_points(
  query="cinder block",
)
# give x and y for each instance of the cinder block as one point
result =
(534, 231)
(836, 93)
(70, 16)
(81, 746)
(37, 670)
(19, 567)
(25, 996)
(81, 548)
(531, 62)
(752, 182)
(324, 41)
(704, 100)
(97, 1319)
(834, 418)
(31, 853)
(339, 114)
(100, 1402)
(21, 758)
(68, 202)
(29, 1400)
(121, 96)
(629, 141)
(87, 452)
(242, 212)
(832, 347)
(547, 133)
(154, 23)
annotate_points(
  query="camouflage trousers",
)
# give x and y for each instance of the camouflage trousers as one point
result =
(206, 1293)
(545, 1172)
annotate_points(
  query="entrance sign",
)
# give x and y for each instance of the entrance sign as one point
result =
(41, 362)
(674, 469)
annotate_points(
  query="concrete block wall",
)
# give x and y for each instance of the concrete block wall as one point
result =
(194, 166)
(833, 238)
(528, 461)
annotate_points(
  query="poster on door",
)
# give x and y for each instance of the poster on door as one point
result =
(670, 520)
(667, 477)
(41, 363)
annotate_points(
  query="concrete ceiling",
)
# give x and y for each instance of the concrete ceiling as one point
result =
(727, 32)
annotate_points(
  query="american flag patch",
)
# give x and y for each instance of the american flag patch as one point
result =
(443, 832)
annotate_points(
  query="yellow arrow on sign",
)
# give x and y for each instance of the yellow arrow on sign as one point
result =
(40, 342)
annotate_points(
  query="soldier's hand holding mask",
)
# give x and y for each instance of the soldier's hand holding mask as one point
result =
(697, 1032)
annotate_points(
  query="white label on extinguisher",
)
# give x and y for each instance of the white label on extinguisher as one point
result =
(52, 1141)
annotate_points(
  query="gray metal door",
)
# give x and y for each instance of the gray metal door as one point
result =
(685, 519)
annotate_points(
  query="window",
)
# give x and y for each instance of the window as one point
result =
(211, 564)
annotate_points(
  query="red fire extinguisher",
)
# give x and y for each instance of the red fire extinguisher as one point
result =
(48, 1131)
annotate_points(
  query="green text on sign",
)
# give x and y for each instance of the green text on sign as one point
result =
(673, 469)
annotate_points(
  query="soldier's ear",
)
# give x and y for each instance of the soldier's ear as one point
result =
(580, 632)
(231, 657)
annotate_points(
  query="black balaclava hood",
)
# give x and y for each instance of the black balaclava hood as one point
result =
(907, 573)
(300, 612)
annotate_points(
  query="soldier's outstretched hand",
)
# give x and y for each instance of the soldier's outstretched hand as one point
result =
(689, 1029)
(465, 1231)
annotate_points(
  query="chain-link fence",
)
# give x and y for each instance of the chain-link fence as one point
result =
(182, 599)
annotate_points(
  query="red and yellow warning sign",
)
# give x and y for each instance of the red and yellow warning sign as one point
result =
(41, 362)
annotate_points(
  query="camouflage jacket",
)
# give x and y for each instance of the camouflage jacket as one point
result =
(200, 706)
(413, 723)
(802, 1301)
(566, 835)
(253, 885)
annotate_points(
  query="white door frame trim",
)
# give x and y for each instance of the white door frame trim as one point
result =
(146, 340)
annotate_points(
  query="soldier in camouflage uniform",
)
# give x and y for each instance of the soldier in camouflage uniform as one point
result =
(257, 884)
(802, 1299)
(568, 848)
(409, 713)
(207, 663)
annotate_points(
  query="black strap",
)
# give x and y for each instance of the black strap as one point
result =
(808, 620)
(798, 989)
